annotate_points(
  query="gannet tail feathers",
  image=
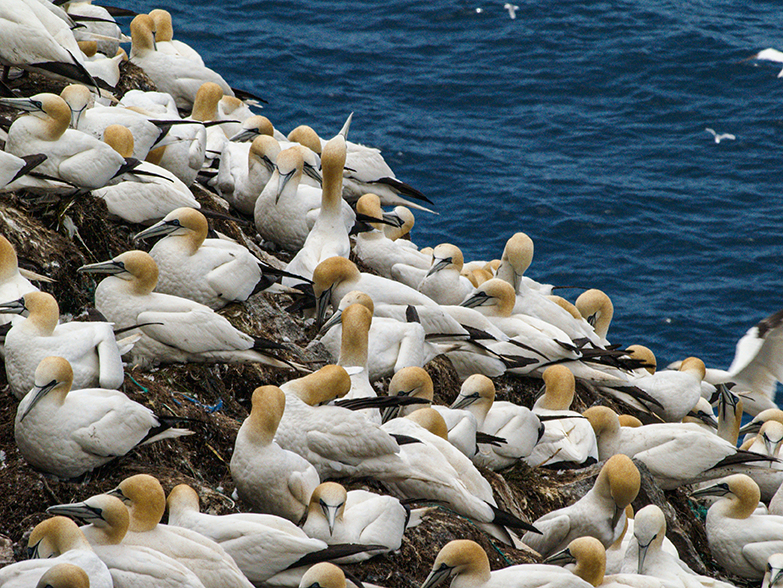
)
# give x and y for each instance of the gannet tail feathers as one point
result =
(245, 96)
(506, 519)
(73, 71)
(261, 344)
(166, 430)
(741, 457)
(31, 162)
(380, 402)
(487, 439)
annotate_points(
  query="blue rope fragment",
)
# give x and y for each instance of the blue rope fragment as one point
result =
(210, 409)
(143, 389)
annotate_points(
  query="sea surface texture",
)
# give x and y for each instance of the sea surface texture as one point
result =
(579, 123)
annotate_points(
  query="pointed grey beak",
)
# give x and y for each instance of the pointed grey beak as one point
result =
(393, 220)
(477, 299)
(437, 577)
(753, 426)
(160, 228)
(560, 558)
(110, 267)
(38, 392)
(438, 264)
(77, 510)
(777, 577)
(330, 512)
(321, 304)
(282, 180)
(706, 418)
(76, 116)
(26, 104)
(717, 490)
(462, 401)
(245, 135)
(642, 556)
(333, 320)
(13, 307)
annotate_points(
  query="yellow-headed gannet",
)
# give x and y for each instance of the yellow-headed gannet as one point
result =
(597, 309)
(600, 513)
(13, 285)
(443, 282)
(406, 220)
(245, 169)
(164, 38)
(323, 575)
(678, 391)
(64, 575)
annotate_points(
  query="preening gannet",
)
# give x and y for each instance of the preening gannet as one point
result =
(245, 169)
(174, 329)
(90, 347)
(443, 282)
(406, 220)
(164, 38)
(64, 575)
(600, 513)
(597, 309)
(678, 391)
(69, 432)
(268, 478)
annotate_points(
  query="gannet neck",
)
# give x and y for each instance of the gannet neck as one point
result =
(306, 136)
(142, 35)
(44, 313)
(332, 272)
(694, 366)
(590, 556)
(120, 139)
(517, 257)
(332, 164)
(567, 306)
(328, 501)
(646, 355)
(448, 256)
(55, 536)
(323, 575)
(559, 392)
(64, 575)
(619, 480)
(741, 496)
(181, 499)
(145, 499)
(356, 320)
(603, 420)
(597, 309)
(195, 225)
(412, 381)
(206, 102)
(328, 383)
(9, 264)
(164, 31)
(51, 119)
(465, 558)
(110, 519)
(432, 420)
(370, 205)
(267, 410)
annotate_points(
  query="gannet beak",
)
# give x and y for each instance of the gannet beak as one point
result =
(26, 104)
(776, 578)
(38, 393)
(393, 220)
(462, 401)
(160, 228)
(477, 299)
(751, 427)
(245, 135)
(110, 267)
(727, 399)
(333, 320)
(717, 490)
(618, 512)
(642, 556)
(561, 558)
(76, 115)
(330, 512)
(321, 304)
(32, 552)
(77, 510)
(313, 173)
(437, 577)
(282, 180)
(438, 264)
(13, 307)
(706, 418)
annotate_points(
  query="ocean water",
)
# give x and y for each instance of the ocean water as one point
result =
(579, 123)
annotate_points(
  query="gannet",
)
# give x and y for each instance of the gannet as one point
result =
(90, 347)
(149, 192)
(213, 272)
(406, 220)
(774, 572)
(741, 541)
(517, 425)
(101, 67)
(597, 309)
(512, 10)
(205, 110)
(13, 285)
(69, 432)
(754, 426)
(71, 155)
(53, 542)
(718, 137)
(173, 74)
(174, 329)
(569, 440)
(105, 31)
(678, 391)
(131, 566)
(600, 513)
(323, 575)
(164, 38)
(245, 169)
(466, 564)
(268, 478)
(263, 546)
(356, 321)
(675, 453)
(443, 282)
(230, 109)
(730, 409)
(64, 575)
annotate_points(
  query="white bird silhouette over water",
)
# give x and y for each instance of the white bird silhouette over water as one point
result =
(770, 54)
(720, 137)
(512, 10)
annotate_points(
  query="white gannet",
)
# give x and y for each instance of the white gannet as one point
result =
(443, 282)
(173, 74)
(597, 309)
(164, 38)
(754, 426)
(263, 546)
(149, 192)
(518, 426)
(675, 453)
(175, 329)
(131, 566)
(741, 541)
(213, 272)
(69, 432)
(64, 575)
(465, 563)
(600, 513)
(268, 478)
(245, 169)
(105, 32)
(569, 440)
(512, 10)
(53, 542)
(106, 69)
(71, 156)
(90, 347)
(13, 285)
(678, 391)
(230, 109)
(718, 137)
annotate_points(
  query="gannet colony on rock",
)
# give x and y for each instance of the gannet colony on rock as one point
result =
(320, 390)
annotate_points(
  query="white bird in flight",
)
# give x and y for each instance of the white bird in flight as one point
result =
(720, 137)
(512, 10)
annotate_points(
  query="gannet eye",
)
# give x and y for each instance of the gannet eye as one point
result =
(37, 103)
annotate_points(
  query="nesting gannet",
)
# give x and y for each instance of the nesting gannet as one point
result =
(702, 415)
(53, 542)
(597, 309)
(443, 282)
(173, 74)
(740, 540)
(13, 285)
(569, 440)
(336, 516)
(90, 347)
(754, 426)
(131, 566)
(174, 329)
(517, 425)
(600, 513)
(69, 432)
(164, 38)
(678, 391)
(718, 137)
(245, 169)
(268, 478)
(72, 156)
(213, 272)
(406, 221)
(675, 453)
(263, 546)
(466, 564)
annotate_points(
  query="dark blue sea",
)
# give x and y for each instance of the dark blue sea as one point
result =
(579, 123)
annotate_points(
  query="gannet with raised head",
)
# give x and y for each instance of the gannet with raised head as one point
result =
(69, 432)
(205, 110)
(268, 478)
(600, 513)
(245, 169)
(53, 542)
(90, 347)
(164, 38)
(174, 329)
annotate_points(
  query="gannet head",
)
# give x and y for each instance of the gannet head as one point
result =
(774, 571)
(264, 150)
(353, 297)
(252, 127)
(120, 139)
(649, 528)
(289, 167)
(332, 165)
(517, 257)
(55, 536)
(494, 297)
(64, 575)
(268, 405)
(446, 256)
(618, 480)
(644, 354)
(53, 377)
(229, 104)
(306, 136)
(182, 498)
(106, 513)
(323, 575)
(627, 420)
(739, 490)
(603, 420)
(142, 35)
(50, 108)
(479, 276)
(370, 205)
(597, 309)
(42, 309)
(694, 366)
(406, 222)
(328, 500)
(461, 557)
(566, 305)
(161, 19)
(328, 383)
(430, 419)
(145, 499)
(702, 412)
(771, 435)
(477, 391)
(329, 273)
(356, 320)
(205, 105)
(412, 381)
(136, 267)
(589, 555)
(559, 393)
(9, 264)
(78, 98)
(754, 426)
(184, 222)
